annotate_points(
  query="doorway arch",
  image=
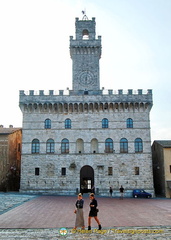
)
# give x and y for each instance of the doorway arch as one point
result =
(86, 179)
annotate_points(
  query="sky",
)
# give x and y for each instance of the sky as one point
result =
(136, 51)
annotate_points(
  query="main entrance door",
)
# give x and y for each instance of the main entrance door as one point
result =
(86, 179)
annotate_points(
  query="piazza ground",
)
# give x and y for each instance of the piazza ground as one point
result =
(58, 211)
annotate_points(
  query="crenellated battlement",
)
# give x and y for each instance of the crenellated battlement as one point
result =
(70, 101)
(102, 92)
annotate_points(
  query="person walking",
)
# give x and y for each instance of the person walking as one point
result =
(121, 192)
(79, 222)
(110, 191)
(93, 212)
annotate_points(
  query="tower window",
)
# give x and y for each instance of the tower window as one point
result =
(85, 34)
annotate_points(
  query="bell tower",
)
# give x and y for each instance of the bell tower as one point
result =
(85, 51)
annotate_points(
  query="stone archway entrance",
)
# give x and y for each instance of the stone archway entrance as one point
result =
(86, 179)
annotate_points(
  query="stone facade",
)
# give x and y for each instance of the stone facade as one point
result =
(86, 137)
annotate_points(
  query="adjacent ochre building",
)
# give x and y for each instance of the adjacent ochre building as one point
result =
(161, 155)
(10, 158)
(87, 137)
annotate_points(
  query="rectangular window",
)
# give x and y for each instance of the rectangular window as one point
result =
(19, 147)
(89, 184)
(36, 171)
(110, 171)
(136, 170)
(63, 171)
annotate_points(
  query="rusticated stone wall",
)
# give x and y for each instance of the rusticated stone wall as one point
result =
(86, 124)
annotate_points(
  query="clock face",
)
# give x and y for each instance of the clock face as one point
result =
(86, 78)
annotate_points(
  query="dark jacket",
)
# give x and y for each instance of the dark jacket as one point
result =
(93, 202)
(79, 203)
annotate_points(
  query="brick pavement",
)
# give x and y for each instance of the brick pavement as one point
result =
(44, 215)
(57, 211)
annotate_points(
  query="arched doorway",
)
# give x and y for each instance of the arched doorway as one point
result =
(86, 179)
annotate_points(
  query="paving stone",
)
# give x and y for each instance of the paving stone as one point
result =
(109, 234)
(8, 201)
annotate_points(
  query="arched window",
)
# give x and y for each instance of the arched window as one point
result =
(85, 34)
(123, 145)
(138, 145)
(65, 146)
(94, 145)
(129, 123)
(79, 146)
(50, 146)
(67, 123)
(105, 123)
(47, 123)
(35, 148)
(109, 145)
